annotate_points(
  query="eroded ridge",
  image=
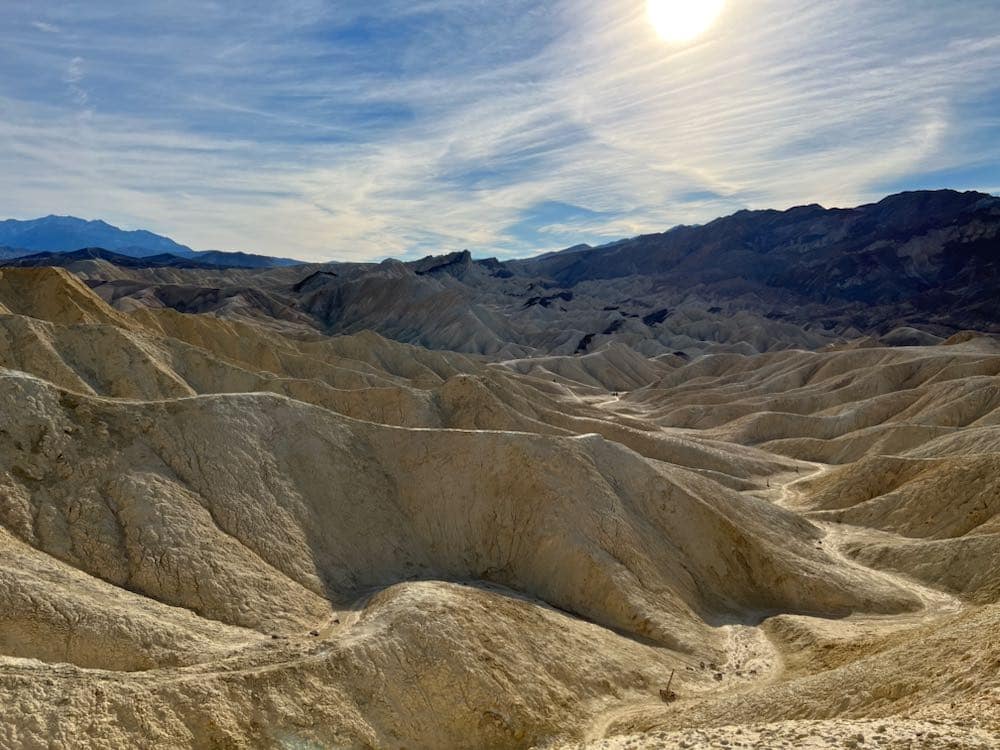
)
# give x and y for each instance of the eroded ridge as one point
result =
(216, 534)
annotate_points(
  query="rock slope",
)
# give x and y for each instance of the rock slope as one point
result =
(214, 534)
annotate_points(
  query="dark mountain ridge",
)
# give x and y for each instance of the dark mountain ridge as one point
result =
(906, 244)
(237, 259)
(67, 259)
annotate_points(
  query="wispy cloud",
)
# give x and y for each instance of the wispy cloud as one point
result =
(73, 78)
(361, 130)
(48, 28)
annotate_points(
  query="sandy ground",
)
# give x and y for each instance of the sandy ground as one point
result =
(888, 734)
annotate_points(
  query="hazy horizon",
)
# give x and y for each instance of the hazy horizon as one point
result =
(476, 253)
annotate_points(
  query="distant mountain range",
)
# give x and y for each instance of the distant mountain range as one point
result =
(68, 259)
(914, 267)
(904, 247)
(63, 234)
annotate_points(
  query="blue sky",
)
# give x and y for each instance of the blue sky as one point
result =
(361, 130)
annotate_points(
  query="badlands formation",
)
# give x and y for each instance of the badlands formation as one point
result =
(226, 523)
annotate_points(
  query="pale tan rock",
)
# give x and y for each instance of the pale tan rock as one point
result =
(214, 533)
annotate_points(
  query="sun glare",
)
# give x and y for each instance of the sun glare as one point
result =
(680, 21)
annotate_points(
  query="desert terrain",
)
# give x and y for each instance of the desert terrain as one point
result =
(455, 504)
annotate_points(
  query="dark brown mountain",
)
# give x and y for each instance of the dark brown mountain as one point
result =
(918, 243)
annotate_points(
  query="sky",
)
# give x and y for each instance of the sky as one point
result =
(349, 130)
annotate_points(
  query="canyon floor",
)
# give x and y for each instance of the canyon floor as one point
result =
(216, 533)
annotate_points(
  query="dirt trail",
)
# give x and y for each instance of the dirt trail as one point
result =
(753, 660)
(838, 536)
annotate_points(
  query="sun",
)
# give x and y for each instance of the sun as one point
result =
(682, 20)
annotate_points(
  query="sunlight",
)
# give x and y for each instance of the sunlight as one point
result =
(680, 21)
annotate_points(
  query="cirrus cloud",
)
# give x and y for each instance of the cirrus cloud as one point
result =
(363, 130)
